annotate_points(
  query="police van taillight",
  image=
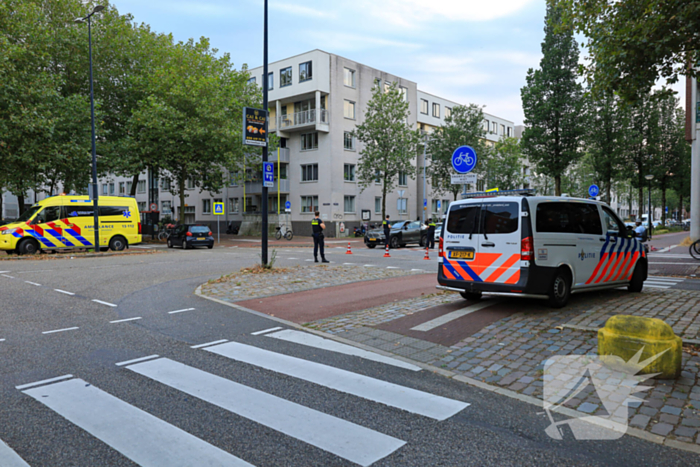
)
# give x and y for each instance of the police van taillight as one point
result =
(526, 250)
(440, 245)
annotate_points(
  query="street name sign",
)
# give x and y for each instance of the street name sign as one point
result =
(463, 179)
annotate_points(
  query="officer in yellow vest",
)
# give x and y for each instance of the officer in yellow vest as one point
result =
(430, 243)
(387, 230)
(318, 226)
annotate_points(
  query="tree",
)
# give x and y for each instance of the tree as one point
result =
(504, 165)
(672, 148)
(633, 43)
(552, 103)
(389, 144)
(464, 127)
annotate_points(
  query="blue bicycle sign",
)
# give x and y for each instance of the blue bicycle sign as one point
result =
(593, 191)
(464, 159)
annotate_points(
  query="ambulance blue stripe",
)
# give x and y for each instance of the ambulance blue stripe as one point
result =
(60, 237)
(40, 238)
(78, 237)
(475, 277)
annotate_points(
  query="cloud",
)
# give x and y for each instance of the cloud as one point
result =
(346, 42)
(300, 10)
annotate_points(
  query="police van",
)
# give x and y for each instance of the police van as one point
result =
(67, 222)
(540, 247)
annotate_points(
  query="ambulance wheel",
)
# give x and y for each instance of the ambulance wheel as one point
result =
(560, 290)
(637, 283)
(471, 296)
(117, 243)
(28, 247)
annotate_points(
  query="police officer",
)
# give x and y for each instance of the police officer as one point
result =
(387, 229)
(318, 226)
(430, 243)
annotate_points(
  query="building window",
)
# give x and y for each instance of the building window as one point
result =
(233, 178)
(190, 184)
(448, 112)
(436, 110)
(349, 77)
(494, 127)
(309, 204)
(165, 184)
(206, 206)
(349, 204)
(105, 188)
(348, 141)
(309, 173)
(503, 130)
(403, 179)
(434, 206)
(167, 208)
(111, 188)
(141, 188)
(270, 81)
(377, 204)
(141, 206)
(286, 76)
(349, 110)
(122, 189)
(486, 125)
(510, 131)
(404, 93)
(281, 172)
(251, 80)
(349, 173)
(424, 106)
(402, 205)
(233, 205)
(387, 86)
(305, 72)
(309, 141)
(128, 187)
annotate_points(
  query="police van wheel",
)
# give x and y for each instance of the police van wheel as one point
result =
(560, 290)
(471, 296)
(637, 283)
(28, 247)
(117, 243)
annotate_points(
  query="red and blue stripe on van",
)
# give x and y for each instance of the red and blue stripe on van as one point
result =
(497, 268)
(617, 260)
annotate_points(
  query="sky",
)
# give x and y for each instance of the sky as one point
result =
(467, 51)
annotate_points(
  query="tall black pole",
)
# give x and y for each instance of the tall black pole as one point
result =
(263, 254)
(95, 191)
(649, 216)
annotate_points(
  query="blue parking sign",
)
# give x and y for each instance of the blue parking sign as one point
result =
(268, 175)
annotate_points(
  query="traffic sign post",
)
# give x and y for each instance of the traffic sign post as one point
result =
(218, 211)
(288, 206)
(593, 191)
(464, 159)
(268, 175)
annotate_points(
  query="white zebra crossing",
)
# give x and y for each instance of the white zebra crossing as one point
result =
(344, 439)
(9, 458)
(655, 282)
(401, 397)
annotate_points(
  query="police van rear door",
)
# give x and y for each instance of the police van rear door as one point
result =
(499, 248)
(461, 241)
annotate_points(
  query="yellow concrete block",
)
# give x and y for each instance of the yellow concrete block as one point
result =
(623, 336)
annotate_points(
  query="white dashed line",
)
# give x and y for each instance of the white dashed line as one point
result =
(33, 283)
(369, 265)
(4, 272)
(45, 381)
(104, 303)
(60, 330)
(422, 270)
(136, 360)
(124, 320)
(348, 264)
(265, 330)
(2, 340)
(293, 258)
(180, 311)
(9, 277)
(64, 292)
(199, 346)
(309, 260)
(392, 267)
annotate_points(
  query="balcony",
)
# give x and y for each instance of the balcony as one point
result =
(256, 187)
(305, 120)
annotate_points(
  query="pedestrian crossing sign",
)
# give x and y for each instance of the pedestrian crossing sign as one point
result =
(218, 209)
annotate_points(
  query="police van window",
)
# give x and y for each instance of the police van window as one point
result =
(463, 219)
(612, 224)
(576, 218)
(499, 218)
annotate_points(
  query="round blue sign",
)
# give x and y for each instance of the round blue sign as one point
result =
(593, 191)
(288, 205)
(464, 159)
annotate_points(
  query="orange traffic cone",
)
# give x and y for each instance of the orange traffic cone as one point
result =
(386, 252)
(349, 252)
(427, 256)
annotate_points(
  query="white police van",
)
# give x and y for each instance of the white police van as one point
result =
(533, 246)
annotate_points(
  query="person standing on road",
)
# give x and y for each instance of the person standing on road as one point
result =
(430, 243)
(387, 230)
(318, 227)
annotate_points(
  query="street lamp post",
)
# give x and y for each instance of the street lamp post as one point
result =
(263, 253)
(649, 177)
(95, 193)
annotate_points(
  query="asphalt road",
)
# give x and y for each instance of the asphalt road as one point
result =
(230, 402)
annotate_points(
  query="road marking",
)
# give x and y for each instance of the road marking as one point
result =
(146, 440)
(667, 279)
(104, 303)
(292, 258)
(2, 340)
(310, 260)
(9, 277)
(394, 395)
(30, 272)
(64, 292)
(392, 267)
(124, 320)
(42, 382)
(61, 330)
(9, 457)
(348, 264)
(311, 340)
(344, 439)
(422, 270)
(656, 286)
(433, 323)
(265, 330)
(369, 265)
(199, 346)
(33, 283)
(180, 311)
(657, 262)
(137, 360)
(4, 272)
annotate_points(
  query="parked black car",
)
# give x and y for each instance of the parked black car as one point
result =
(402, 232)
(190, 236)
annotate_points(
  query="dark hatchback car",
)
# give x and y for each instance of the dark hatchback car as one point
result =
(190, 236)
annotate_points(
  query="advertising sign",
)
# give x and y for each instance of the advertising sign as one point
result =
(254, 127)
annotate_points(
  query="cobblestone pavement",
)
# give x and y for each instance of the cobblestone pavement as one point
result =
(242, 286)
(511, 353)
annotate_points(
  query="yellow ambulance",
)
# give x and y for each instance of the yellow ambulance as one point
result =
(67, 222)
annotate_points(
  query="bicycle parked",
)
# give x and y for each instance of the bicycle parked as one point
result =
(165, 233)
(286, 233)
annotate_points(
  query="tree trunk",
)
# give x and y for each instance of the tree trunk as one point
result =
(384, 200)
(2, 198)
(629, 202)
(134, 186)
(557, 185)
(663, 205)
(20, 204)
(181, 189)
(608, 192)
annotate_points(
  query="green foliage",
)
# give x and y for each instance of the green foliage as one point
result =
(464, 127)
(632, 43)
(504, 165)
(389, 144)
(552, 103)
